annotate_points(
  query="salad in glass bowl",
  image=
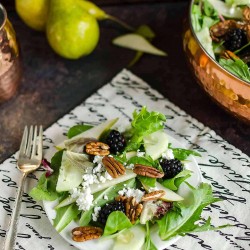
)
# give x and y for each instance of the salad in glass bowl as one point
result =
(109, 188)
(223, 29)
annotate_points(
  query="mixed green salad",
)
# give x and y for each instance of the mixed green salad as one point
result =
(223, 29)
(116, 182)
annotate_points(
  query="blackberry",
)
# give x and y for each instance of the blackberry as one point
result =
(171, 168)
(107, 209)
(116, 141)
(235, 39)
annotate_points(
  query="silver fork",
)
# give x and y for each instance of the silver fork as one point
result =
(29, 159)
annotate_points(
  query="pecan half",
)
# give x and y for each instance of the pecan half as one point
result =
(227, 54)
(132, 208)
(246, 14)
(147, 171)
(97, 148)
(155, 195)
(114, 167)
(81, 234)
(218, 30)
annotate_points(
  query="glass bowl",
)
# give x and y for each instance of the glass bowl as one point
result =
(226, 89)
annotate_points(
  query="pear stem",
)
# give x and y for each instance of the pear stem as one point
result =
(123, 24)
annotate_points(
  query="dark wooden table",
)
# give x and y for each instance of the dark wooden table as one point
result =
(51, 86)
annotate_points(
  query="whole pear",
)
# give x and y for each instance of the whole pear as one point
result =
(33, 12)
(71, 31)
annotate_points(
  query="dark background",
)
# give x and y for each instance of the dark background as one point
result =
(51, 86)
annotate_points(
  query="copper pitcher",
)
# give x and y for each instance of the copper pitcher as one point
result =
(10, 68)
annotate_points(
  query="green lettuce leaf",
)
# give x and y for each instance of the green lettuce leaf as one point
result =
(143, 123)
(46, 187)
(111, 193)
(78, 129)
(184, 218)
(236, 67)
(148, 245)
(116, 221)
(176, 181)
(203, 17)
(42, 190)
(182, 154)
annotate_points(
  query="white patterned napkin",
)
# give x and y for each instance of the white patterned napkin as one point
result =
(225, 167)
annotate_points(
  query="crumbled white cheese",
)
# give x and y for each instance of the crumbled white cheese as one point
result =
(102, 179)
(85, 199)
(105, 197)
(96, 213)
(98, 159)
(140, 153)
(89, 179)
(98, 169)
(152, 189)
(128, 192)
(107, 176)
(74, 193)
(130, 166)
(169, 155)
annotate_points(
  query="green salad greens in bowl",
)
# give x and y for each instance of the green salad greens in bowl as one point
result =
(223, 29)
(113, 187)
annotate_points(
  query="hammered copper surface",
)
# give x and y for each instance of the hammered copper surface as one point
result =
(230, 92)
(9, 59)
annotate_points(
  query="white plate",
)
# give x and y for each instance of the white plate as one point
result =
(106, 244)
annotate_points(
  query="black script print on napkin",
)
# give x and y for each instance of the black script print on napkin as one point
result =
(221, 164)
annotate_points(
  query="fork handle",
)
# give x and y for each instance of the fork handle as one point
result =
(12, 231)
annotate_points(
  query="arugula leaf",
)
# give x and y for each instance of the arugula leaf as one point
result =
(56, 161)
(149, 245)
(147, 181)
(185, 218)
(116, 221)
(121, 158)
(236, 67)
(46, 187)
(143, 123)
(111, 193)
(64, 215)
(176, 181)
(182, 154)
(78, 129)
(42, 191)
(144, 160)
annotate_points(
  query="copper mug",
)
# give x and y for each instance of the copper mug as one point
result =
(10, 66)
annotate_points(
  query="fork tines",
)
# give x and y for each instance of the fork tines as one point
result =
(31, 145)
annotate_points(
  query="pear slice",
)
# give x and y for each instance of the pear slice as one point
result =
(94, 134)
(73, 166)
(132, 239)
(156, 144)
(169, 194)
(137, 42)
(98, 187)
(148, 211)
(130, 154)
